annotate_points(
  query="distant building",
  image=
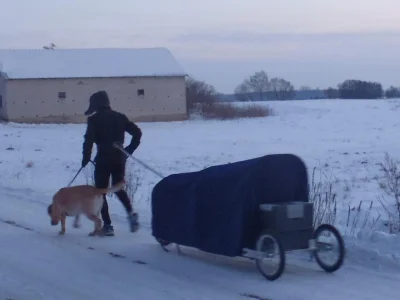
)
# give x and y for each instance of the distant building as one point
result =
(55, 85)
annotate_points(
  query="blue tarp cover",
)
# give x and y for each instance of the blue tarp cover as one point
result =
(217, 209)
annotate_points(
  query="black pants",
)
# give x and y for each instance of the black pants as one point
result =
(102, 173)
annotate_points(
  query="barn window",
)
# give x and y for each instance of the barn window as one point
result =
(140, 92)
(62, 95)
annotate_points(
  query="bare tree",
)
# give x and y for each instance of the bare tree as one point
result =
(392, 92)
(243, 92)
(282, 89)
(199, 93)
(255, 84)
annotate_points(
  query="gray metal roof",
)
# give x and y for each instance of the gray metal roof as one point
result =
(88, 63)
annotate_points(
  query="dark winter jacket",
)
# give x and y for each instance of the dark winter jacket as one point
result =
(105, 128)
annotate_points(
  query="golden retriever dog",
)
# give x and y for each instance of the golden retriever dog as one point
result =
(76, 200)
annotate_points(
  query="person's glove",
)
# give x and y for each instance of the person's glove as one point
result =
(132, 147)
(127, 149)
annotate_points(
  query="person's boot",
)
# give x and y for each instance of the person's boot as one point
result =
(133, 219)
(107, 230)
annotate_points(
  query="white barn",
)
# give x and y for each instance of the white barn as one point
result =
(47, 86)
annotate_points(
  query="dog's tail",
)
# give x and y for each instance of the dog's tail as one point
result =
(115, 188)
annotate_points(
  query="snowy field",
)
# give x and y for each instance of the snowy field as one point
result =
(344, 139)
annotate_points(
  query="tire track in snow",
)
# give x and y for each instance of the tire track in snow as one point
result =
(196, 295)
(112, 254)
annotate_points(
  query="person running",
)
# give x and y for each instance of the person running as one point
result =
(104, 128)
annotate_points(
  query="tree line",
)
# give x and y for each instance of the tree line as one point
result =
(259, 87)
(359, 89)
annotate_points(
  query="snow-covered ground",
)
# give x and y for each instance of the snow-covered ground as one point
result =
(345, 139)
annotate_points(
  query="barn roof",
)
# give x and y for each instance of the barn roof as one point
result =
(88, 63)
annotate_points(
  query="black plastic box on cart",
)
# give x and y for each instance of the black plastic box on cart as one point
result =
(292, 223)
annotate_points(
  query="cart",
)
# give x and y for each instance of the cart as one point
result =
(257, 208)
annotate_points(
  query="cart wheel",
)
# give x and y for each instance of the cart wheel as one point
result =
(326, 246)
(271, 248)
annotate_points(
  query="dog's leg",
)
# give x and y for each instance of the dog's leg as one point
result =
(76, 222)
(62, 231)
(97, 224)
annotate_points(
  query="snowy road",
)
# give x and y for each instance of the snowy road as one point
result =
(35, 263)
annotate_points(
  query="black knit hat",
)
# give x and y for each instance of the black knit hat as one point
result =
(96, 101)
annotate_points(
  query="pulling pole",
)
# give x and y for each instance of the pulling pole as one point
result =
(137, 160)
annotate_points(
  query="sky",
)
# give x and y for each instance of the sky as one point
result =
(317, 43)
